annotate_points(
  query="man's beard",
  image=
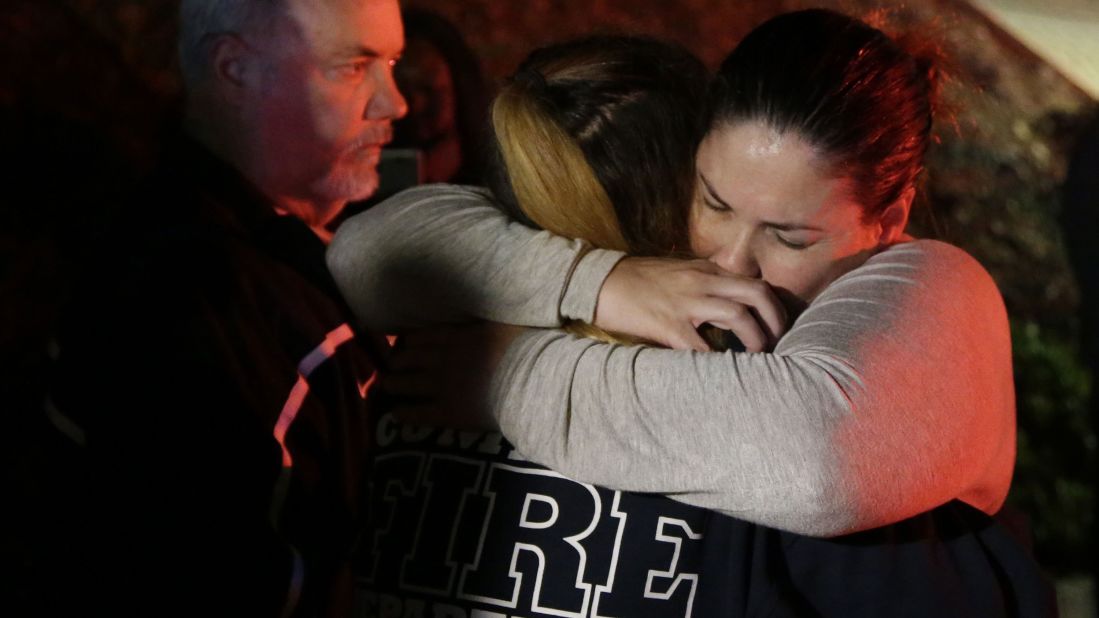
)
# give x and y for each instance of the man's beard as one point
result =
(351, 179)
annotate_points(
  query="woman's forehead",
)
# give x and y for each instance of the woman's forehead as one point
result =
(770, 175)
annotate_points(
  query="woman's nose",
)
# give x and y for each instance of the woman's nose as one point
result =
(737, 256)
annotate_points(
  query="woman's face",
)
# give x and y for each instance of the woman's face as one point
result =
(428, 85)
(766, 207)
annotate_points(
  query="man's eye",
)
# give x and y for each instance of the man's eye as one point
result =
(351, 70)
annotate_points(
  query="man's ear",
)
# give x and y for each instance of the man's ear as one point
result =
(233, 65)
(895, 217)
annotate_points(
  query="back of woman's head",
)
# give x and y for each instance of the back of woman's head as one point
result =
(596, 139)
(847, 88)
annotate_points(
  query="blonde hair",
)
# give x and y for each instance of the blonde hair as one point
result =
(552, 181)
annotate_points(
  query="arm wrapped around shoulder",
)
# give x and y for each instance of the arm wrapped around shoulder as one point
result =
(445, 254)
(891, 395)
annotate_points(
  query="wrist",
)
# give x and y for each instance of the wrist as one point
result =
(584, 288)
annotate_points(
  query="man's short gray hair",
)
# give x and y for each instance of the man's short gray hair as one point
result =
(201, 20)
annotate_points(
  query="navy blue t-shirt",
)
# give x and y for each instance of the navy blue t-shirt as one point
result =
(462, 527)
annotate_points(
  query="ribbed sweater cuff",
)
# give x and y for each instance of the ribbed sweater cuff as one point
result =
(582, 289)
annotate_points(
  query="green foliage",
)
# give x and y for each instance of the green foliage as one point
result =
(1054, 478)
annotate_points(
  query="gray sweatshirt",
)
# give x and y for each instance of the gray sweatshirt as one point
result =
(890, 395)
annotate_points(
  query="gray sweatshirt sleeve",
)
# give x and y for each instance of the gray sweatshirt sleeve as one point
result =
(892, 394)
(444, 254)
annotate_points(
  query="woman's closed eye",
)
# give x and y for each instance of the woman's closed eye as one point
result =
(787, 240)
(715, 206)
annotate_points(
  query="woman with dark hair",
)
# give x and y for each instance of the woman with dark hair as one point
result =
(447, 96)
(889, 402)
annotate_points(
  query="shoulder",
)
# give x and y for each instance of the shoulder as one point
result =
(918, 286)
(408, 209)
(924, 254)
(947, 293)
(933, 264)
(943, 264)
(438, 192)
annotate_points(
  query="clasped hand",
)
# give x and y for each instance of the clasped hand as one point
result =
(665, 301)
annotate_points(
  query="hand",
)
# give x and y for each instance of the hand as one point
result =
(665, 301)
(440, 377)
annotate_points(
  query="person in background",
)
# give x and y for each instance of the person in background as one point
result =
(442, 80)
(206, 364)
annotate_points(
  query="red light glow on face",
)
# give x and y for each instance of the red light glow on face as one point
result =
(326, 99)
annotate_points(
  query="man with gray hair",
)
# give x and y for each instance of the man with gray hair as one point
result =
(207, 365)
(298, 96)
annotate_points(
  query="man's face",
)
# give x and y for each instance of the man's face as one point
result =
(324, 100)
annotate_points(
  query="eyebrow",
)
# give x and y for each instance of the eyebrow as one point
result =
(360, 51)
(782, 227)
